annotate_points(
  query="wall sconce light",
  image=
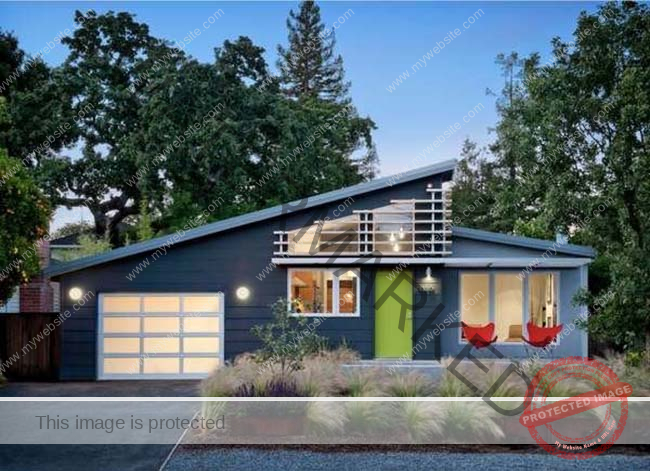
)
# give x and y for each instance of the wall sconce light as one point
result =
(395, 247)
(75, 293)
(243, 293)
(428, 273)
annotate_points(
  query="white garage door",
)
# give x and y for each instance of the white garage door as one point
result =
(159, 335)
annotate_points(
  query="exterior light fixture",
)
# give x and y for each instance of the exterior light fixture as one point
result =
(401, 232)
(243, 293)
(395, 247)
(75, 293)
(428, 273)
(392, 237)
(429, 185)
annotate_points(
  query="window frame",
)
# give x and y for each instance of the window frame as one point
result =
(335, 292)
(524, 298)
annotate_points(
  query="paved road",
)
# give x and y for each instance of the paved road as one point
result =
(241, 459)
(90, 457)
(83, 457)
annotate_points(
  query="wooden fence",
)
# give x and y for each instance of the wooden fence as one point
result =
(26, 352)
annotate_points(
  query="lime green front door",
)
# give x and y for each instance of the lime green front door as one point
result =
(390, 340)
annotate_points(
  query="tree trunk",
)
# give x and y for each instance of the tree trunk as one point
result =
(646, 353)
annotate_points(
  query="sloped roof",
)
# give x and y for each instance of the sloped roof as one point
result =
(526, 242)
(250, 218)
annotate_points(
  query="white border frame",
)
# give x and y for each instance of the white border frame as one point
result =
(335, 293)
(141, 315)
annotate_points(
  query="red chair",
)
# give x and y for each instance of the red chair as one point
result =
(479, 335)
(541, 337)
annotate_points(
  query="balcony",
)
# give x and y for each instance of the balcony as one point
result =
(404, 228)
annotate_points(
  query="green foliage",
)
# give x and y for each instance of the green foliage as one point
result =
(73, 228)
(411, 384)
(309, 67)
(144, 231)
(24, 217)
(287, 339)
(90, 245)
(571, 155)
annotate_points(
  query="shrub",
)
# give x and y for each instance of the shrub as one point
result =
(276, 387)
(411, 384)
(287, 339)
(360, 383)
(471, 422)
(420, 420)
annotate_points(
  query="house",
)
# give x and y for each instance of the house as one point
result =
(370, 263)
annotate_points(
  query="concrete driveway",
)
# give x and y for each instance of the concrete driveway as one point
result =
(158, 388)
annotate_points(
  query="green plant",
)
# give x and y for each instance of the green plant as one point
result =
(90, 245)
(470, 422)
(360, 383)
(363, 417)
(326, 418)
(411, 384)
(634, 359)
(287, 339)
(420, 420)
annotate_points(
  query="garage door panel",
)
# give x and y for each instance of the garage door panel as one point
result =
(165, 366)
(201, 304)
(119, 304)
(150, 335)
(162, 304)
(162, 324)
(201, 324)
(200, 344)
(161, 345)
(122, 345)
(122, 366)
(200, 365)
(121, 325)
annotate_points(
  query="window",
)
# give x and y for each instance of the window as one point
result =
(324, 292)
(498, 297)
(508, 302)
(542, 299)
(474, 289)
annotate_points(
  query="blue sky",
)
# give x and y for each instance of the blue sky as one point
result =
(379, 41)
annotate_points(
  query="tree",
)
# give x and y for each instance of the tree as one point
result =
(107, 76)
(74, 228)
(24, 216)
(90, 245)
(309, 67)
(472, 199)
(31, 88)
(585, 169)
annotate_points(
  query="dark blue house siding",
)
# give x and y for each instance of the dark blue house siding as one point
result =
(221, 262)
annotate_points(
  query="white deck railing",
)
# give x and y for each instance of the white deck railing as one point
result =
(412, 227)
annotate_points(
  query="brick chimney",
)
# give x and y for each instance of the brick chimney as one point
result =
(38, 295)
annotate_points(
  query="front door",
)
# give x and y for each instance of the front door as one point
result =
(390, 340)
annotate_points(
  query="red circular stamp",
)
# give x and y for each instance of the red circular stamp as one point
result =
(573, 436)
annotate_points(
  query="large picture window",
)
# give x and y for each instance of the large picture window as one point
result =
(542, 299)
(498, 297)
(324, 292)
